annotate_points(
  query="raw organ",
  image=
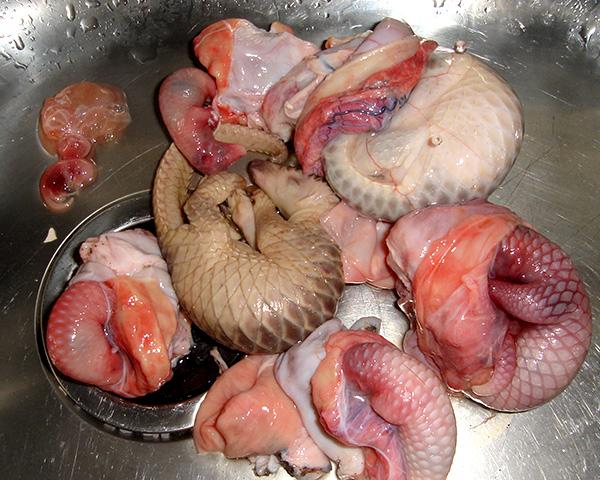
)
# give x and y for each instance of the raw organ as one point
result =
(245, 62)
(71, 123)
(388, 414)
(209, 146)
(246, 414)
(362, 94)
(118, 325)
(498, 308)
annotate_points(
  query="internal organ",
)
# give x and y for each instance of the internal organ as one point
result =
(362, 242)
(71, 124)
(209, 146)
(369, 394)
(118, 325)
(246, 414)
(499, 309)
(285, 100)
(454, 140)
(362, 94)
(293, 371)
(245, 62)
(266, 282)
(183, 100)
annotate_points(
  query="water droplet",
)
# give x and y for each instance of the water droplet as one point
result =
(71, 31)
(515, 27)
(92, 3)
(19, 43)
(71, 13)
(143, 54)
(460, 46)
(5, 54)
(20, 65)
(548, 19)
(88, 23)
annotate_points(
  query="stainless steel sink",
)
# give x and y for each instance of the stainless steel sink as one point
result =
(547, 50)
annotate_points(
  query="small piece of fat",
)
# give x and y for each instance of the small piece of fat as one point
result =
(51, 235)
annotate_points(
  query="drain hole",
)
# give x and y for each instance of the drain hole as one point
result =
(165, 414)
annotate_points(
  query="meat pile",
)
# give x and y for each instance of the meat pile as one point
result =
(413, 139)
(346, 396)
(400, 142)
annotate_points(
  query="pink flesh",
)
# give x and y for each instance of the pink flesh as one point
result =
(117, 325)
(142, 326)
(245, 62)
(367, 107)
(370, 394)
(500, 309)
(362, 241)
(112, 335)
(246, 413)
(182, 101)
(96, 112)
(71, 123)
(73, 146)
(76, 340)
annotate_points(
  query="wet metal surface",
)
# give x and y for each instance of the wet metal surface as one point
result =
(548, 51)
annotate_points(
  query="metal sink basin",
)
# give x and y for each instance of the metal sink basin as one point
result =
(548, 51)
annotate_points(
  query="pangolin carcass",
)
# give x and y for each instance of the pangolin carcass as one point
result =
(260, 274)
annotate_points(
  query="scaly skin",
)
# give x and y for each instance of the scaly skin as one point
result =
(370, 394)
(454, 140)
(499, 309)
(259, 300)
(554, 314)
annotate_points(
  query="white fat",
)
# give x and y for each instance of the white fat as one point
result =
(293, 372)
(218, 358)
(51, 235)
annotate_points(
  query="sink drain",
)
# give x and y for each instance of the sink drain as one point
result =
(162, 415)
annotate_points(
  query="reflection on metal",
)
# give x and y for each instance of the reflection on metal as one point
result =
(546, 49)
